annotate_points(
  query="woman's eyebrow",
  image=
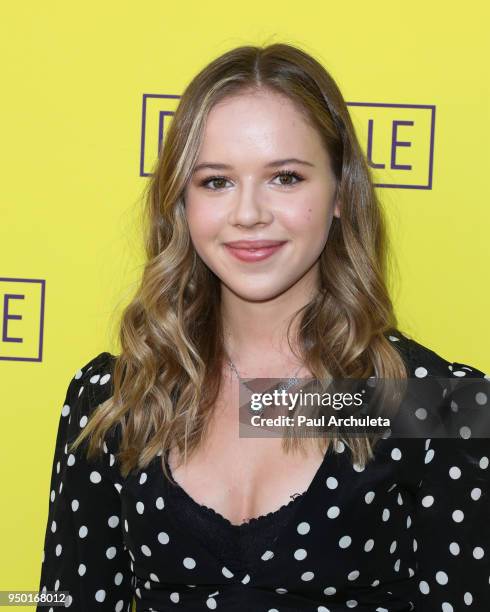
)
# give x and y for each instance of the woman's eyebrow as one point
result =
(272, 164)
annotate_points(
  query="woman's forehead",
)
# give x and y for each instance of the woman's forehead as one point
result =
(262, 128)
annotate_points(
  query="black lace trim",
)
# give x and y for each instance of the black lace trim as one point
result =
(255, 521)
(239, 547)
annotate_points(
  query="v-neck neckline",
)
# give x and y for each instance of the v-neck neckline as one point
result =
(253, 522)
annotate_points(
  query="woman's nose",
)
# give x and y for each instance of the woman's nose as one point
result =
(249, 206)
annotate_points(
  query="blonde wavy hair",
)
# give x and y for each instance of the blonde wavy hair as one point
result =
(167, 377)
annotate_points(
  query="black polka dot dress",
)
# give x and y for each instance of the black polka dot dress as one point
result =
(408, 531)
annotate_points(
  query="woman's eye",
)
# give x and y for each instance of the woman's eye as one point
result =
(216, 183)
(214, 179)
(289, 175)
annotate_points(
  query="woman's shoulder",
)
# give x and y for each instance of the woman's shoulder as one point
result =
(90, 385)
(101, 360)
(95, 376)
(423, 361)
(449, 396)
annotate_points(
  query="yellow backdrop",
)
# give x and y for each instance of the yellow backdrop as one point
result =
(75, 155)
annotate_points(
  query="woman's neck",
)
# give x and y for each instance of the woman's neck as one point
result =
(256, 332)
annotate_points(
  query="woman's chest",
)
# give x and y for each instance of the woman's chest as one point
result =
(244, 478)
(352, 528)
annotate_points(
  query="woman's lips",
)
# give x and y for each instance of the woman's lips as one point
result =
(251, 254)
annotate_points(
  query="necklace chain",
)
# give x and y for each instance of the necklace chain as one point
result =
(290, 383)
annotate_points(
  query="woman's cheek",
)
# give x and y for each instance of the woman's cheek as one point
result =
(304, 219)
(203, 222)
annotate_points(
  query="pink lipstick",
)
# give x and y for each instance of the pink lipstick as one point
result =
(253, 250)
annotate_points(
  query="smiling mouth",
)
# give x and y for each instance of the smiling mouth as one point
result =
(253, 254)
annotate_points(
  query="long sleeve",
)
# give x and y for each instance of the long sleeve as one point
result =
(84, 551)
(452, 522)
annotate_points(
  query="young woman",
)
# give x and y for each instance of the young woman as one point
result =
(267, 258)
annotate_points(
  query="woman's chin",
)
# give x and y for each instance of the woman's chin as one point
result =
(256, 291)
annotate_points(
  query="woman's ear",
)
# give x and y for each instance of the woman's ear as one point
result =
(336, 210)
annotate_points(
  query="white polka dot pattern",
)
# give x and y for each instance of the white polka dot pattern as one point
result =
(408, 530)
(85, 554)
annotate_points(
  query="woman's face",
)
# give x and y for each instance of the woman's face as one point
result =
(241, 190)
